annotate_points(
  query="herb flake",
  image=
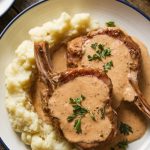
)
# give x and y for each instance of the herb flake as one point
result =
(102, 111)
(94, 57)
(77, 100)
(77, 126)
(71, 118)
(125, 129)
(101, 46)
(122, 144)
(108, 66)
(78, 111)
(105, 53)
(110, 24)
(94, 46)
(101, 52)
(92, 116)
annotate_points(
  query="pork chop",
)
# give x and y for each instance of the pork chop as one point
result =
(112, 50)
(73, 84)
(79, 102)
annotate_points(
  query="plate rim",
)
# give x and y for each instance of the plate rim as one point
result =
(2, 143)
(134, 8)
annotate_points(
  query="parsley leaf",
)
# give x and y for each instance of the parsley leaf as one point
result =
(106, 52)
(101, 46)
(94, 46)
(125, 129)
(94, 57)
(110, 24)
(101, 52)
(123, 144)
(83, 97)
(77, 126)
(77, 100)
(92, 116)
(71, 101)
(71, 117)
(108, 66)
(102, 111)
(79, 110)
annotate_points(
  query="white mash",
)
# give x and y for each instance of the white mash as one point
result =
(20, 74)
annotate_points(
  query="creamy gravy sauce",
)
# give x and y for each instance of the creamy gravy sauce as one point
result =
(91, 130)
(128, 113)
(37, 101)
(120, 57)
(59, 60)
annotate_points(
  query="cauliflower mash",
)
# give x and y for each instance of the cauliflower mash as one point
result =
(20, 75)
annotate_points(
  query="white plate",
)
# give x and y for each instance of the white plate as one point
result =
(4, 6)
(103, 10)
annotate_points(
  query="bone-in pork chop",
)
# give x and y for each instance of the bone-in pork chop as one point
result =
(78, 102)
(112, 50)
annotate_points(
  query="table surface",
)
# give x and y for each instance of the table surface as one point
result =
(20, 5)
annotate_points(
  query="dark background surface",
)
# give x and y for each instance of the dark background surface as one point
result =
(20, 5)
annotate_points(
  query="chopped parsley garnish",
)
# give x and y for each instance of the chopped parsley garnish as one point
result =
(125, 129)
(92, 116)
(83, 97)
(94, 46)
(94, 57)
(101, 52)
(71, 117)
(78, 111)
(108, 66)
(110, 24)
(106, 52)
(122, 144)
(77, 126)
(77, 100)
(101, 46)
(102, 111)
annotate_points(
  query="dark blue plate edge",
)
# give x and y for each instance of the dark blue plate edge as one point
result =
(3, 145)
(37, 3)
(135, 8)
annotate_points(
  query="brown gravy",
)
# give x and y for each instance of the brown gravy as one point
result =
(127, 112)
(36, 100)
(78, 86)
(120, 57)
(59, 60)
